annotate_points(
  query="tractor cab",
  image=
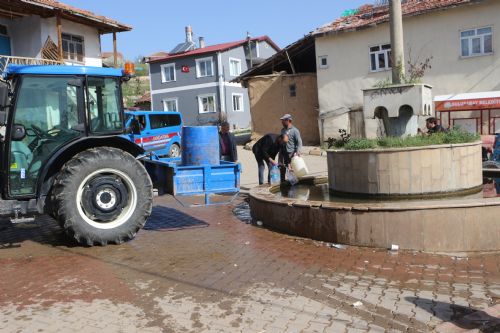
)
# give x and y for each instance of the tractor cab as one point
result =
(52, 106)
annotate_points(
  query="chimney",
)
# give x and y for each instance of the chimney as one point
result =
(201, 42)
(189, 34)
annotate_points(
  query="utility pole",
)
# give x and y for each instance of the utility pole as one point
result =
(397, 43)
(249, 41)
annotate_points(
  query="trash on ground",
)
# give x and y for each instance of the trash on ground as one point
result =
(260, 224)
(357, 304)
(338, 246)
(394, 247)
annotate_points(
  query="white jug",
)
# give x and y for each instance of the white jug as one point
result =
(299, 167)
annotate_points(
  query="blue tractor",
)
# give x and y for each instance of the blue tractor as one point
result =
(63, 153)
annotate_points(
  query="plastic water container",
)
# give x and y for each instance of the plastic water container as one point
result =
(200, 145)
(299, 167)
(275, 175)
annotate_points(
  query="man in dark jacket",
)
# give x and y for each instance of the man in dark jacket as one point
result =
(265, 151)
(227, 141)
(433, 127)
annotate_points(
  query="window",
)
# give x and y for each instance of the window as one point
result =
(104, 104)
(323, 62)
(168, 73)
(164, 120)
(238, 103)
(476, 42)
(234, 67)
(206, 103)
(380, 57)
(204, 67)
(293, 90)
(73, 48)
(170, 104)
(47, 106)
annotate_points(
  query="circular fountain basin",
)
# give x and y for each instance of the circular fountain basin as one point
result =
(415, 171)
(455, 224)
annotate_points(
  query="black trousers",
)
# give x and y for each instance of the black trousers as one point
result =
(285, 158)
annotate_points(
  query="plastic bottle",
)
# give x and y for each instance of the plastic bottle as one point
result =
(275, 175)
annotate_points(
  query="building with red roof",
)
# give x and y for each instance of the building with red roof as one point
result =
(194, 79)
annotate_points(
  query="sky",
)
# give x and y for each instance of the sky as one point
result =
(159, 24)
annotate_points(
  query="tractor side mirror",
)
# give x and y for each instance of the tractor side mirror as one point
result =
(4, 102)
(18, 132)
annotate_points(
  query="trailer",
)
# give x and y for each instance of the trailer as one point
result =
(170, 177)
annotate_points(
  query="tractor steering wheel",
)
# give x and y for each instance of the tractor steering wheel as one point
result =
(35, 131)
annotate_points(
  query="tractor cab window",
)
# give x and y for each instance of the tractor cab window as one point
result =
(49, 112)
(103, 102)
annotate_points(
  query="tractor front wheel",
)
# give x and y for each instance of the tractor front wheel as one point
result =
(103, 195)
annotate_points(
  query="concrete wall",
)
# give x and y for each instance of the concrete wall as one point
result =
(436, 34)
(187, 103)
(91, 37)
(270, 99)
(236, 119)
(182, 79)
(265, 50)
(408, 171)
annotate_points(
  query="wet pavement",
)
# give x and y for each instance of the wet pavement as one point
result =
(205, 270)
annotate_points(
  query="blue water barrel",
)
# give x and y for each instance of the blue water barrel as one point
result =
(200, 145)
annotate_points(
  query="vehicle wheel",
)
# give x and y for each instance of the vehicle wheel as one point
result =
(491, 165)
(175, 150)
(103, 195)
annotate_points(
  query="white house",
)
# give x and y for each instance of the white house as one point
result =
(41, 31)
(460, 37)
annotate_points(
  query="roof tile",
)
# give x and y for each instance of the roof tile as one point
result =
(369, 15)
(82, 12)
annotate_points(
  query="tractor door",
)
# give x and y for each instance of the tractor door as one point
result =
(48, 113)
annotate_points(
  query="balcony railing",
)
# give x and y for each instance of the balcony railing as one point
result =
(7, 60)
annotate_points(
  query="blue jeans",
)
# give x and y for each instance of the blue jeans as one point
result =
(261, 162)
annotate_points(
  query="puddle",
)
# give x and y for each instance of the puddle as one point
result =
(242, 212)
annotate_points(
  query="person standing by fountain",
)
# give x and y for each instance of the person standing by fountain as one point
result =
(265, 151)
(227, 141)
(293, 146)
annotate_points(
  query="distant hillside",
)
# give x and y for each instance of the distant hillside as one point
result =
(134, 89)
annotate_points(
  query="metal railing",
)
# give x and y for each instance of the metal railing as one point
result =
(7, 60)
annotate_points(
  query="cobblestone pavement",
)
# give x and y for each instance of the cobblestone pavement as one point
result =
(203, 270)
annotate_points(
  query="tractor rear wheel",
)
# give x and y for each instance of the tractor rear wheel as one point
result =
(103, 195)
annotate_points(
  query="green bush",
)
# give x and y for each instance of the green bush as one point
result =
(452, 136)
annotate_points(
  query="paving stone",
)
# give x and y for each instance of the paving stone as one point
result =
(202, 270)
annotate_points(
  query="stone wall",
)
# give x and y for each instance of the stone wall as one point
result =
(409, 171)
(452, 225)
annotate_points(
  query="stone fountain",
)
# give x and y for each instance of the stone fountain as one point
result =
(423, 198)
